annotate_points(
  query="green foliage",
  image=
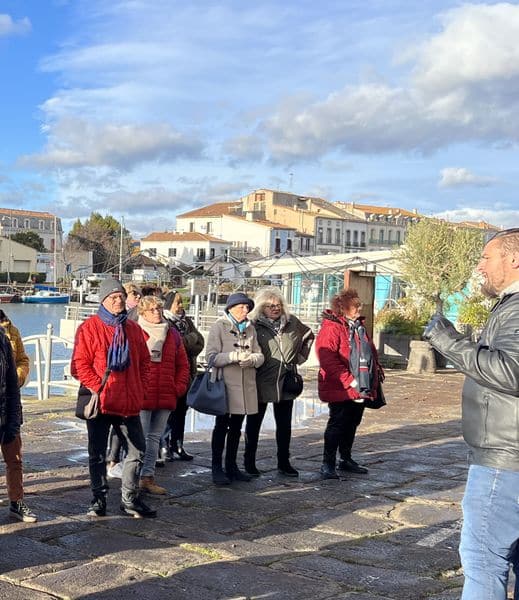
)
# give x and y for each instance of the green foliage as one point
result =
(102, 236)
(29, 238)
(474, 311)
(438, 258)
(407, 318)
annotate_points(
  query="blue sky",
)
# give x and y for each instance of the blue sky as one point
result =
(148, 108)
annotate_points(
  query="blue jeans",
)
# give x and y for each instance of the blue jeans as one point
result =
(490, 533)
(153, 425)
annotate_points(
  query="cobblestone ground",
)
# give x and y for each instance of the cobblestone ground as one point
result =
(392, 534)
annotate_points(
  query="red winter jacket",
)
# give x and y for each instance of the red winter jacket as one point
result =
(123, 393)
(169, 378)
(332, 346)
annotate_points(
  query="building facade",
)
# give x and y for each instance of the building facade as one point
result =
(44, 224)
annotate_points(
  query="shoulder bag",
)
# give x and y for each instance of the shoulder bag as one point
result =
(292, 380)
(207, 393)
(87, 404)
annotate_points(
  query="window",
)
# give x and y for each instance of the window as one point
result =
(211, 253)
(381, 236)
(41, 225)
(363, 239)
(355, 238)
(172, 252)
(200, 254)
(301, 244)
(289, 245)
(26, 223)
(320, 235)
(307, 245)
(277, 245)
(389, 235)
(191, 226)
(152, 251)
(259, 197)
(209, 227)
(348, 237)
(398, 237)
(372, 235)
(338, 237)
(14, 222)
(328, 235)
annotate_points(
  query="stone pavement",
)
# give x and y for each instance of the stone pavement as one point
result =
(392, 534)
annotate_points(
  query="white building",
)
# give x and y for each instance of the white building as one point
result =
(191, 248)
(16, 258)
(46, 225)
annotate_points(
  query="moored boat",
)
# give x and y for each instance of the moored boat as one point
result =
(46, 297)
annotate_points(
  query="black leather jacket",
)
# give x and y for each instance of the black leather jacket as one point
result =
(490, 410)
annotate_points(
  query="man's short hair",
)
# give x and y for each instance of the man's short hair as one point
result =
(509, 240)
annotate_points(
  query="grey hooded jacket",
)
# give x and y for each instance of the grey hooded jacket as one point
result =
(490, 407)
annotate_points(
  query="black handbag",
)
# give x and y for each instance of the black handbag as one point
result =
(207, 393)
(379, 401)
(292, 382)
(87, 403)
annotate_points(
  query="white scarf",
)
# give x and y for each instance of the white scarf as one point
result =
(157, 333)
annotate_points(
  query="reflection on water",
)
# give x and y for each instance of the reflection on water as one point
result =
(32, 319)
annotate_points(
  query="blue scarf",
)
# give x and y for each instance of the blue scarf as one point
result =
(241, 326)
(118, 358)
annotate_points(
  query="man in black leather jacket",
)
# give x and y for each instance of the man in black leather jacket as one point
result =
(490, 421)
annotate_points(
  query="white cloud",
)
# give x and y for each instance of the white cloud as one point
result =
(506, 217)
(10, 27)
(76, 143)
(463, 86)
(459, 176)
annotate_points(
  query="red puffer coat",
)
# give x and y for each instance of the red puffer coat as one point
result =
(333, 352)
(170, 377)
(123, 393)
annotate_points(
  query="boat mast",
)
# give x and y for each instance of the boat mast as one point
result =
(55, 252)
(121, 250)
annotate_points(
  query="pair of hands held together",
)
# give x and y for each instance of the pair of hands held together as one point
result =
(243, 358)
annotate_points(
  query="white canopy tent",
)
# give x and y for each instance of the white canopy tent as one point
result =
(378, 261)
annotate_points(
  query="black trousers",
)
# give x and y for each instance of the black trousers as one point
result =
(343, 420)
(226, 434)
(283, 418)
(177, 423)
(129, 430)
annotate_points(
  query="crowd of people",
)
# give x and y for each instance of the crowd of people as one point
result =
(142, 350)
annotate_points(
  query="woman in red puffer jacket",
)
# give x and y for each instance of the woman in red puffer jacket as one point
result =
(168, 380)
(349, 377)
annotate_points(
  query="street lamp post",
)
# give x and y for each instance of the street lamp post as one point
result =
(3, 221)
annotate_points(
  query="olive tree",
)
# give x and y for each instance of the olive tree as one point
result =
(438, 258)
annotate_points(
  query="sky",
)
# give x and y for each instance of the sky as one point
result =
(144, 109)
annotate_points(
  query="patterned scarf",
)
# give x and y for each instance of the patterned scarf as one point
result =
(118, 358)
(178, 321)
(362, 364)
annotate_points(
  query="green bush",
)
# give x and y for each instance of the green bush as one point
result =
(406, 318)
(474, 311)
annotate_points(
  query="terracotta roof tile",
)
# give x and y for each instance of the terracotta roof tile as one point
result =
(212, 210)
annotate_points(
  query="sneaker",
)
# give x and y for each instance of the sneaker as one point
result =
(137, 509)
(20, 510)
(97, 507)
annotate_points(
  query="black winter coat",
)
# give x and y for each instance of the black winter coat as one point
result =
(10, 404)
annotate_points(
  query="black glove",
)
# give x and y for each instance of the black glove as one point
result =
(438, 323)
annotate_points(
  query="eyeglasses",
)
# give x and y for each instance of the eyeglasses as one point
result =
(115, 297)
(157, 309)
(273, 306)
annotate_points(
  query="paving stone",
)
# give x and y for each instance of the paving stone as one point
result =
(421, 513)
(362, 577)
(135, 551)
(9, 591)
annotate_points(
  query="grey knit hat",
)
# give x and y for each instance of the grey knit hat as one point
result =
(110, 286)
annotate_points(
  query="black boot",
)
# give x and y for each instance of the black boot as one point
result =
(231, 468)
(234, 474)
(217, 446)
(250, 467)
(328, 471)
(348, 464)
(176, 450)
(285, 468)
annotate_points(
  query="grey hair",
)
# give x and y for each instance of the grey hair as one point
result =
(264, 297)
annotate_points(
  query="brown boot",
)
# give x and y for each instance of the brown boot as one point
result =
(147, 484)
